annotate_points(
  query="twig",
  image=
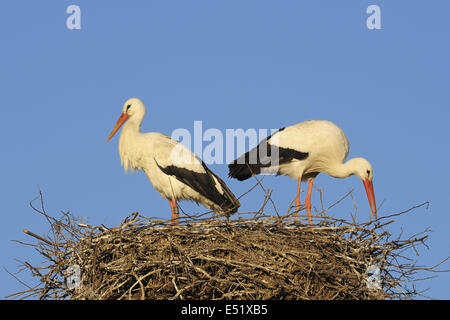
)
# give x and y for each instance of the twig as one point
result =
(38, 237)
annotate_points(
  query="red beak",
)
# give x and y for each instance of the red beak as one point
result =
(371, 196)
(123, 117)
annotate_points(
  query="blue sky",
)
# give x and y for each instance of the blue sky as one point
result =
(230, 64)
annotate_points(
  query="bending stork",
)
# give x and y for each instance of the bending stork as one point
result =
(302, 151)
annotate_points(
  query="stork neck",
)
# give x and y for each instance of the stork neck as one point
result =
(341, 170)
(132, 126)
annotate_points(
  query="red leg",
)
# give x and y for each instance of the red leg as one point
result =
(175, 212)
(297, 199)
(308, 201)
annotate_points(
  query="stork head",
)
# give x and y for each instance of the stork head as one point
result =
(134, 110)
(363, 169)
(134, 107)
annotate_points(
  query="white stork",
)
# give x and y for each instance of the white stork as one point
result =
(302, 151)
(174, 171)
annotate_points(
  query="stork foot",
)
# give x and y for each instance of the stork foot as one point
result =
(297, 204)
(297, 199)
(308, 201)
(175, 211)
(308, 210)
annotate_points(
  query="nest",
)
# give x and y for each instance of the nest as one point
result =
(252, 256)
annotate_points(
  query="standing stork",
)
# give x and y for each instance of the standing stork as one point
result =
(302, 151)
(174, 171)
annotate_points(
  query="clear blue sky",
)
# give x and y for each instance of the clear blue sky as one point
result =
(231, 64)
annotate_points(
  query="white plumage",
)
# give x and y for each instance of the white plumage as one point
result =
(302, 151)
(174, 171)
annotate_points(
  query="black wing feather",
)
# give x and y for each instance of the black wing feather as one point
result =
(204, 184)
(250, 163)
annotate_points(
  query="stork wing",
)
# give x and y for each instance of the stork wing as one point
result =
(265, 155)
(195, 174)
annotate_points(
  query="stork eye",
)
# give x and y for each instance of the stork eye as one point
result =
(368, 172)
(128, 107)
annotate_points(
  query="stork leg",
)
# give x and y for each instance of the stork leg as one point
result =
(297, 198)
(175, 211)
(308, 201)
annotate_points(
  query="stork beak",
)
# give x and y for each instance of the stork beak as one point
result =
(371, 196)
(123, 117)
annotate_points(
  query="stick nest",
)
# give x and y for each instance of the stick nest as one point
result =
(251, 256)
